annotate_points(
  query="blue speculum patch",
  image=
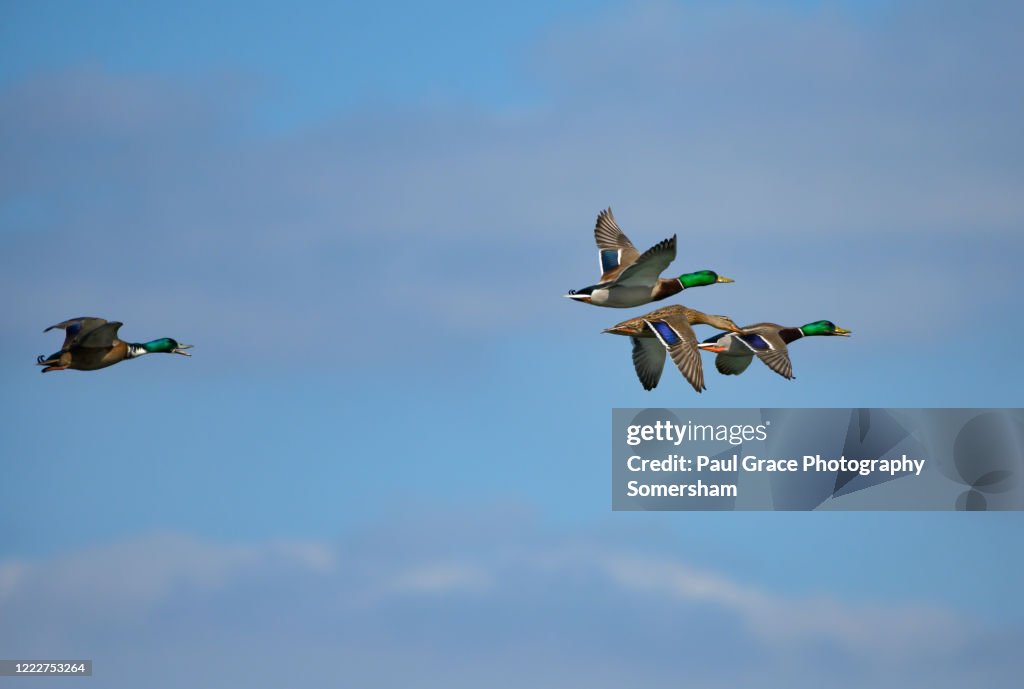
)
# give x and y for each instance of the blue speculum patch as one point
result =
(667, 333)
(756, 341)
(609, 260)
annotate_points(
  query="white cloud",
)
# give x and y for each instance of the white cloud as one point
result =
(127, 583)
(442, 577)
(127, 580)
(868, 631)
(391, 605)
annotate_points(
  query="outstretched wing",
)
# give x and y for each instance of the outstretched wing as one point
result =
(778, 361)
(76, 328)
(678, 338)
(646, 270)
(614, 250)
(769, 348)
(102, 337)
(729, 365)
(648, 360)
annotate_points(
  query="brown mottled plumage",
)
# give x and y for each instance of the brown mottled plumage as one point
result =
(668, 330)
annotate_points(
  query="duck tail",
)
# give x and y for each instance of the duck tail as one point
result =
(52, 362)
(581, 294)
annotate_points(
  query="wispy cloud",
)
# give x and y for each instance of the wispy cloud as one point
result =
(320, 589)
(869, 631)
(125, 581)
(443, 577)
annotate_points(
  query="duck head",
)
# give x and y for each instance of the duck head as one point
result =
(166, 345)
(701, 278)
(824, 328)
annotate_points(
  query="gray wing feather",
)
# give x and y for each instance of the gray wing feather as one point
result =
(651, 264)
(609, 236)
(76, 328)
(778, 361)
(776, 358)
(729, 365)
(684, 353)
(103, 336)
(648, 360)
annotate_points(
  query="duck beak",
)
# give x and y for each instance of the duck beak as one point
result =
(722, 278)
(711, 347)
(180, 347)
(843, 331)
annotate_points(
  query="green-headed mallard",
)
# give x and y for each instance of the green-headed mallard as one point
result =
(629, 278)
(668, 329)
(768, 341)
(91, 343)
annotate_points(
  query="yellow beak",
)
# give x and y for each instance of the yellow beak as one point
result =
(842, 331)
(722, 278)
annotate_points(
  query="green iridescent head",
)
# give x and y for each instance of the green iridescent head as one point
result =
(166, 345)
(701, 278)
(824, 328)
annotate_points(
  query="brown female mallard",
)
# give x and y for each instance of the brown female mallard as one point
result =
(668, 330)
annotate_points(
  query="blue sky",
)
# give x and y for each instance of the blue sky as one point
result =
(391, 445)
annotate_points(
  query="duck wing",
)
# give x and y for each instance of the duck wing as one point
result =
(102, 337)
(645, 271)
(764, 340)
(778, 361)
(679, 340)
(76, 328)
(730, 365)
(648, 360)
(614, 250)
